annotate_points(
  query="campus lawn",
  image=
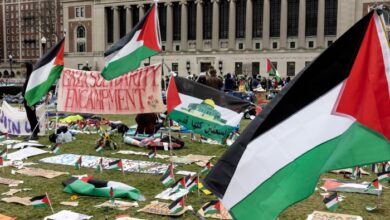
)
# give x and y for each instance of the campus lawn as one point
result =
(150, 184)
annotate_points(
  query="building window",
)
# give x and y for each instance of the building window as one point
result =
(330, 17)
(207, 19)
(240, 46)
(191, 20)
(275, 7)
(162, 16)
(163, 47)
(257, 18)
(275, 64)
(292, 18)
(292, 45)
(175, 67)
(80, 39)
(255, 68)
(122, 21)
(311, 17)
(223, 19)
(311, 44)
(177, 48)
(274, 45)
(240, 18)
(290, 68)
(79, 12)
(110, 25)
(176, 20)
(135, 14)
(257, 46)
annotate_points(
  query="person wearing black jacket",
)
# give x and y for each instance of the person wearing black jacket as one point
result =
(26, 68)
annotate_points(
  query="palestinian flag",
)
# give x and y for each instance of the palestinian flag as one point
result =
(375, 184)
(115, 165)
(45, 73)
(333, 115)
(152, 154)
(193, 185)
(55, 149)
(331, 185)
(207, 168)
(384, 176)
(99, 167)
(101, 188)
(168, 177)
(212, 207)
(387, 166)
(77, 165)
(271, 70)
(142, 42)
(332, 202)
(99, 148)
(40, 201)
(1, 161)
(4, 153)
(204, 110)
(176, 206)
(180, 184)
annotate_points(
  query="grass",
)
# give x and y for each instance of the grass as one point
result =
(151, 186)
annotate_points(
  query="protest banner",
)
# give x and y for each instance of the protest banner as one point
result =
(14, 120)
(88, 92)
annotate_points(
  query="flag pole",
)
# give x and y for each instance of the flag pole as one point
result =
(51, 207)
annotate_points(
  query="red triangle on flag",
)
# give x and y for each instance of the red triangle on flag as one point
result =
(59, 61)
(173, 98)
(149, 32)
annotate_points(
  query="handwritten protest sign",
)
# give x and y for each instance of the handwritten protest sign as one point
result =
(317, 215)
(87, 92)
(14, 120)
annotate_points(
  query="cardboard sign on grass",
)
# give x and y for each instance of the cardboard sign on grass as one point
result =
(316, 215)
(160, 208)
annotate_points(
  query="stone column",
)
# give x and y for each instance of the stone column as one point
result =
(184, 26)
(248, 25)
(302, 24)
(141, 11)
(283, 25)
(266, 25)
(215, 27)
(199, 24)
(129, 19)
(116, 23)
(169, 39)
(321, 24)
(232, 25)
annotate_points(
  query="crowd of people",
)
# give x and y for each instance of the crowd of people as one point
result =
(233, 82)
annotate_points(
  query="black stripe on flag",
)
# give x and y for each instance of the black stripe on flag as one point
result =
(330, 198)
(328, 70)
(37, 198)
(200, 91)
(50, 55)
(127, 38)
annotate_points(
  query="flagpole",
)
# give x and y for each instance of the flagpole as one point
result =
(51, 207)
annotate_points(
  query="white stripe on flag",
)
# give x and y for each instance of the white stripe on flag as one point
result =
(288, 140)
(129, 48)
(40, 75)
(332, 203)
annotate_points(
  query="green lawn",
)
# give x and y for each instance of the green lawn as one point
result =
(150, 185)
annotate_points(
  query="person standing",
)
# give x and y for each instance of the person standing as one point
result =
(26, 69)
(213, 80)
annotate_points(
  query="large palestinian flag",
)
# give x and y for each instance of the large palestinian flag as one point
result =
(204, 110)
(45, 73)
(142, 42)
(100, 188)
(333, 115)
